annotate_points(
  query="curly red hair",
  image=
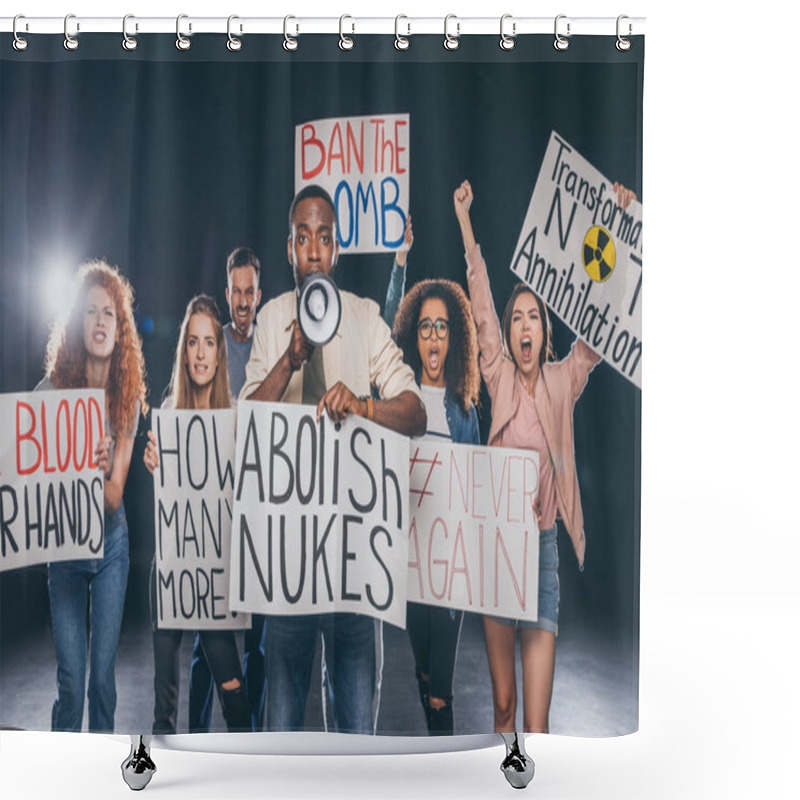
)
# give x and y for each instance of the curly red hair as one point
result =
(65, 362)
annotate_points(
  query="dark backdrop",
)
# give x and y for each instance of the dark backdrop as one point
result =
(162, 162)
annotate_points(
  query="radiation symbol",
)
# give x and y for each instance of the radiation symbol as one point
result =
(599, 254)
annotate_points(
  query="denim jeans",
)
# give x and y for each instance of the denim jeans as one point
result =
(350, 656)
(201, 682)
(93, 590)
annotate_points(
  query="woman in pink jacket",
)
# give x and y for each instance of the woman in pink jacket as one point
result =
(532, 401)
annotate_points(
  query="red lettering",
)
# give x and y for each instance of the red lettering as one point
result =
(357, 149)
(437, 561)
(94, 406)
(378, 124)
(415, 561)
(499, 544)
(47, 467)
(335, 153)
(314, 142)
(62, 465)
(460, 570)
(27, 436)
(398, 123)
(78, 406)
(532, 494)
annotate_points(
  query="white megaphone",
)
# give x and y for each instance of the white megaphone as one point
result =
(319, 309)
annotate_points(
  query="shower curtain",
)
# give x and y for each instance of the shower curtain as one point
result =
(466, 510)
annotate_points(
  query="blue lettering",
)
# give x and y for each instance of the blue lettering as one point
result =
(342, 241)
(391, 207)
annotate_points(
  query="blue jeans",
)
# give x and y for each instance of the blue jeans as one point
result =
(92, 589)
(201, 682)
(350, 657)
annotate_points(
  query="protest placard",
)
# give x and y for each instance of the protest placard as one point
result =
(363, 162)
(51, 488)
(193, 508)
(473, 541)
(582, 254)
(320, 514)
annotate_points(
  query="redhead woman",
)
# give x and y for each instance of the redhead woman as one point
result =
(436, 332)
(96, 346)
(199, 380)
(532, 403)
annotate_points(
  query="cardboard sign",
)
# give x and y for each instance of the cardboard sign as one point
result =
(582, 254)
(474, 539)
(51, 488)
(193, 508)
(320, 514)
(363, 162)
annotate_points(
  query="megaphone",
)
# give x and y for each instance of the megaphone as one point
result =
(319, 309)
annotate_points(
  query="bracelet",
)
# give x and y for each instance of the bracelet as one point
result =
(370, 405)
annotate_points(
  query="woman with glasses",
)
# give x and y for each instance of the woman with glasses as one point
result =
(436, 332)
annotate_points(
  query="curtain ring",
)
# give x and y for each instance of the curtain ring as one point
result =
(451, 42)
(234, 44)
(70, 42)
(182, 43)
(19, 43)
(128, 42)
(288, 42)
(561, 43)
(401, 42)
(507, 42)
(345, 42)
(623, 44)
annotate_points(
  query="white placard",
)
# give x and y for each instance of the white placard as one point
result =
(193, 512)
(51, 489)
(474, 538)
(363, 163)
(582, 253)
(320, 514)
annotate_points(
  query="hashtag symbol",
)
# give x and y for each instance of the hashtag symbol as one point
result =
(434, 462)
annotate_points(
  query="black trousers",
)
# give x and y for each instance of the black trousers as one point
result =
(223, 660)
(434, 634)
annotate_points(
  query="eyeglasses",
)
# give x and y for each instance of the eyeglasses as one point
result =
(426, 327)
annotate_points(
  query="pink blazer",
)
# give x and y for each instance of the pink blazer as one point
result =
(559, 387)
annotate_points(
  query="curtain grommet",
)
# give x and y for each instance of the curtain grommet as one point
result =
(623, 44)
(234, 44)
(507, 42)
(128, 42)
(182, 42)
(401, 42)
(561, 43)
(20, 43)
(70, 42)
(289, 43)
(451, 42)
(346, 42)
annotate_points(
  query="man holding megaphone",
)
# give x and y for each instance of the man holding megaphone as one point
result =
(354, 354)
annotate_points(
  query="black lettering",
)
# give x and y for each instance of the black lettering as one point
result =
(275, 450)
(168, 583)
(293, 598)
(66, 508)
(167, 521)
(168, 451)
(206, 523)
(348, 555)
(246, 538)
(390, 474)
(320, 554)
(563, 236)
(389, 584)
(36, 525)
(217, 599)
(306, 422)
(7, 518)
(224, 473)
(203, 588)
(183, 592)
(99, 505)
(251, 438)
(196, 419)
(363, 508)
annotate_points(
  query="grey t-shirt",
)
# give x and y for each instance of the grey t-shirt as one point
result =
(238, 356)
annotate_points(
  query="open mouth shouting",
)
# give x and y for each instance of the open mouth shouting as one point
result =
(526, 349)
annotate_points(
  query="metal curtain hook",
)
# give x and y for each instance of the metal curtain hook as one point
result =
(128, 42)
(623, 44)
(401, 42)
(451, 42)
(561, 43)
(507, 42)
(234, 43)
(288, 42)
(345, 42)
(19, 43)
(70, 42)
(182, 43)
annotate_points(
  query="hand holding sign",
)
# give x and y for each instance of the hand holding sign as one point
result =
(340, 403)
(151, 453)
(102, 455)
(408, 241)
